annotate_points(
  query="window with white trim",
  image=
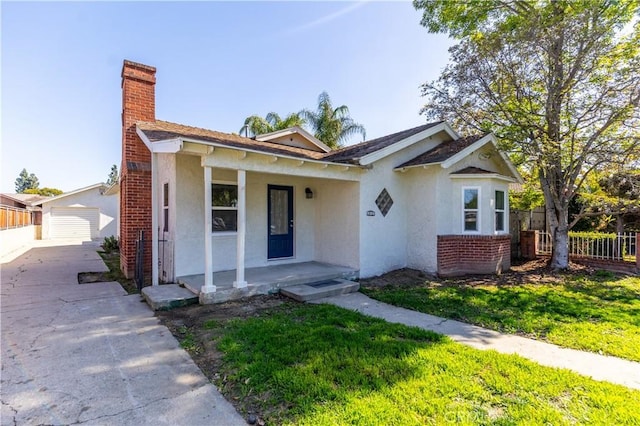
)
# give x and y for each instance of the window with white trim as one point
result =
(165, 207)
(499, 207)
(471, 209)
(224, 206)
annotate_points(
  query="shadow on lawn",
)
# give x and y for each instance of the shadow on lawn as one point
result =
(290, 360)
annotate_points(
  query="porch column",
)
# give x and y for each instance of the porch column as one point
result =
(242, 229)
(208, 286)
(154, 219)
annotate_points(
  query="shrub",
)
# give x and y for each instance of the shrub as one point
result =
(110, 244)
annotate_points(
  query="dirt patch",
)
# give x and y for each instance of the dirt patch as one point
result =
(534, 271)
(93, 277)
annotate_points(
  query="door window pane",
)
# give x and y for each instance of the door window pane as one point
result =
(279, 212)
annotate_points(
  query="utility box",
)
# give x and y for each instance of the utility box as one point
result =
(528, 244)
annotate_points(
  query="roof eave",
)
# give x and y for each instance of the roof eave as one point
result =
(167, 146)
(67, 194)
(497, 176)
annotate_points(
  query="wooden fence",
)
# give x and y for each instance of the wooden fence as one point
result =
(13, 217)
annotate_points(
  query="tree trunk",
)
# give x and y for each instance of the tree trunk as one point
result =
(560, 252)
(619, 224)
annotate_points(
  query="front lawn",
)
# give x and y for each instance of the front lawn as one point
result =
(597, 312)
(323, 365)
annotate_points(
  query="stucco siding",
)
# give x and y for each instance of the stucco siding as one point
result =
(337, 222)
(189, 216)
(422, 218)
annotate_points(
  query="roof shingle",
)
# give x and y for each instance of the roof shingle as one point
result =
(350, 154)
(442, 152)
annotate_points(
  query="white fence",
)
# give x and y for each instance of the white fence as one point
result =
(594, 245)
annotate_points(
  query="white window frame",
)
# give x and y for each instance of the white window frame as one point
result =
(477, 210)
(503, 211)
(223, 182)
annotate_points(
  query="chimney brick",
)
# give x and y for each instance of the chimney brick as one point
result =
(138, 104)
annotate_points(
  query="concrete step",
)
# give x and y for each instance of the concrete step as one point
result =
(168, 296)
(318, 290)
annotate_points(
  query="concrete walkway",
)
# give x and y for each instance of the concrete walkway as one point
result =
(599, 367)
(90, 353)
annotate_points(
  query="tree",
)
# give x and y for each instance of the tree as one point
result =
(26, 181)
(255, 125)
(557, 81)
(332, 126)
(113, 175)
(45, 192)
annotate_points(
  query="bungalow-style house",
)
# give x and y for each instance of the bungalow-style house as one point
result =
(425, 198)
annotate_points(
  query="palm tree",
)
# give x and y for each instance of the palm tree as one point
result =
(332, 126)
(255, 125)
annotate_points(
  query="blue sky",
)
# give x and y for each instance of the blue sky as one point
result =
(217, 63)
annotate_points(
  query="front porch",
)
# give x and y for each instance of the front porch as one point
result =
(265, 279)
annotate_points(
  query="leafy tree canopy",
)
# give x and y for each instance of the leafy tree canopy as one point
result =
(255, 125)
(113, 175)
(557, 81)
(26, 181)
(45, 192)
(332, 125)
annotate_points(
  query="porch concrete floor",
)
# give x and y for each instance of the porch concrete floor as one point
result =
(266, 279)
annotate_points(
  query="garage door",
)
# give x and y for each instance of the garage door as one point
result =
(74, 223)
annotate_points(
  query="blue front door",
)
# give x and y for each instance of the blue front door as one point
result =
(280, 223)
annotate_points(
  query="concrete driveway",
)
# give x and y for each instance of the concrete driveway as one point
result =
(90, 353)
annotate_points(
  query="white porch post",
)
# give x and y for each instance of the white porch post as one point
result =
(208, 286)
(242, 229)
(154, 219)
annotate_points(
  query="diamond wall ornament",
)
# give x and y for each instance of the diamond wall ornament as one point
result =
(384, 202)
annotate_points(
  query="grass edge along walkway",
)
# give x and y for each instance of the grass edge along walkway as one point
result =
(598, 367)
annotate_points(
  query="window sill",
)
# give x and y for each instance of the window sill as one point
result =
(224, 234)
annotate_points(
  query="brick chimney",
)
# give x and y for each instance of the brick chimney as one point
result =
(138, 104)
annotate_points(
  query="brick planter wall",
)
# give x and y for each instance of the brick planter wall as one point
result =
(138, 104)
(473, 254)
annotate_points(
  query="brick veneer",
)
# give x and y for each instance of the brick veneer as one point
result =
(473, 254)
(138, 104)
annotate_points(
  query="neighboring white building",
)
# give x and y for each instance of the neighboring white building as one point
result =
(88, 213)
(424, 198)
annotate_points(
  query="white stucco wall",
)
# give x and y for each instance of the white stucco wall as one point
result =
(166, 174)
(14, 239)
(337, 225)
(107, 204)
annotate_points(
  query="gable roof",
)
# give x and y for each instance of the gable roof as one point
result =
(442, 152)
(354, 152)
(100, 185)
(292, 130)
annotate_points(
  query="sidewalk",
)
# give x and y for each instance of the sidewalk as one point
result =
(599, 367)
(90, 353)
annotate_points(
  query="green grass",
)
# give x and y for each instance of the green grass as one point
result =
(323, 365)
(599, 313)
